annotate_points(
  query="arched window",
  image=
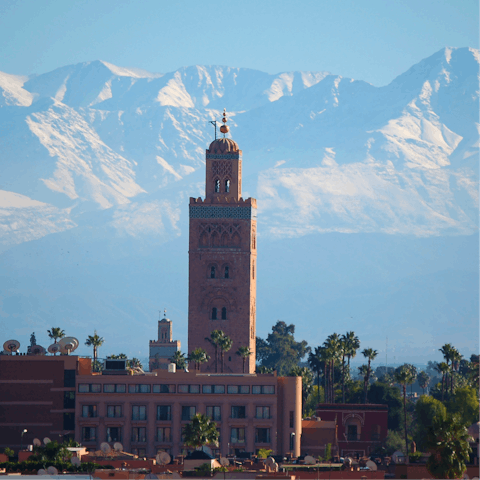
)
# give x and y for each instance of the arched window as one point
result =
(227, 186)
(227, 272)
(217, 186)
(212, 272)
(214, 313)
(224, 313)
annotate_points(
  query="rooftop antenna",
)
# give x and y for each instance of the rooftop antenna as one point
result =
(214, 123)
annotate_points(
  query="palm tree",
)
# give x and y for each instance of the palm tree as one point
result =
(200, 431)
(363, 372)
(135, 363)
(456, 356)
(179, 360)
(442, 368)
(198, 356)
(448, 440)
(94, 341)
(55, 333)
(423, 380)
(352, 345)
(214, 338)
(447, 351)
(414, 372)
(333, 346)
(225, 344)
(315, 363)
(403, 375)
(244, 352)
(370, 354)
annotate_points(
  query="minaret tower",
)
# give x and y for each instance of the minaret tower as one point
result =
(222, 259)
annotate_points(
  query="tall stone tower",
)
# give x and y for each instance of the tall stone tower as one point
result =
(222, 259)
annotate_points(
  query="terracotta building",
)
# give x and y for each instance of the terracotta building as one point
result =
(222, 258)
(37, 394)
(163, 349)
(360, 428)
(146, 413)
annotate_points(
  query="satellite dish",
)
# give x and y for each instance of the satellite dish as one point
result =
(225, 462)
(348, 461)
(38, 350)
(46, 441)
(371, 465)
(118, 447)
(105, 447)
(42, 472)
(52, 471)
(163, 458)
(76, 461)
(309, 460)
(68, 344)
(37, 442)
(270, 461)
(54, 348)
(11, 345)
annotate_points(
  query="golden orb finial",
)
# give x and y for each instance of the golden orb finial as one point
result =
(224, 128)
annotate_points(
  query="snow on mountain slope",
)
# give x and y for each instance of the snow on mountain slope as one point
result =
(321, 152)
(12, 92)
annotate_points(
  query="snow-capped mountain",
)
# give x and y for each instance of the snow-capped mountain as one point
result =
(110, 155)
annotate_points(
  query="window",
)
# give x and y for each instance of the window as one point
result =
(263, 389)
(139, 412)
(188, 412)
(227, 186)
(262, 412)
(139, 434)
(237, 435)
(120, 388)
(89, 411)
(214, 313)
(89, 434)
(253, 270)
(215, 413)
(139, 389)
(238, 412)
(164, 434)
(224, 313)
(114, 411)
(109, 388)
(68, 399)
(262, 435)
(212, 272)
(89, 388)
(68, 421)
(189, 389)
(217, 186)
(227, 272)
(69, 378)
(213, 388)
(114, 434)
(140, 452)
(164, 412)
(164, 389)
(238, 388)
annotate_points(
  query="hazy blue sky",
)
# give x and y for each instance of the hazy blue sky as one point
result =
(372, 40)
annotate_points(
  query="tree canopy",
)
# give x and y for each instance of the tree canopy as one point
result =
(280, 351)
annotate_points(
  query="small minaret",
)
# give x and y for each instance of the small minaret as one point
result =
(163, 349)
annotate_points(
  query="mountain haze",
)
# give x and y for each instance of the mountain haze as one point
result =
(368, 200)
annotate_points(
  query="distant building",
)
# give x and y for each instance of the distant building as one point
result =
(316, 434)
(360, 428)
(163, 349)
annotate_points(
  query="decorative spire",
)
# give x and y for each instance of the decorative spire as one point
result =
(224, 128)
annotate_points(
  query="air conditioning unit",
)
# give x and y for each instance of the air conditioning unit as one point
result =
(117, 366)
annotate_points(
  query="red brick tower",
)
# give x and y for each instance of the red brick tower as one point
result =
(222, 259)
